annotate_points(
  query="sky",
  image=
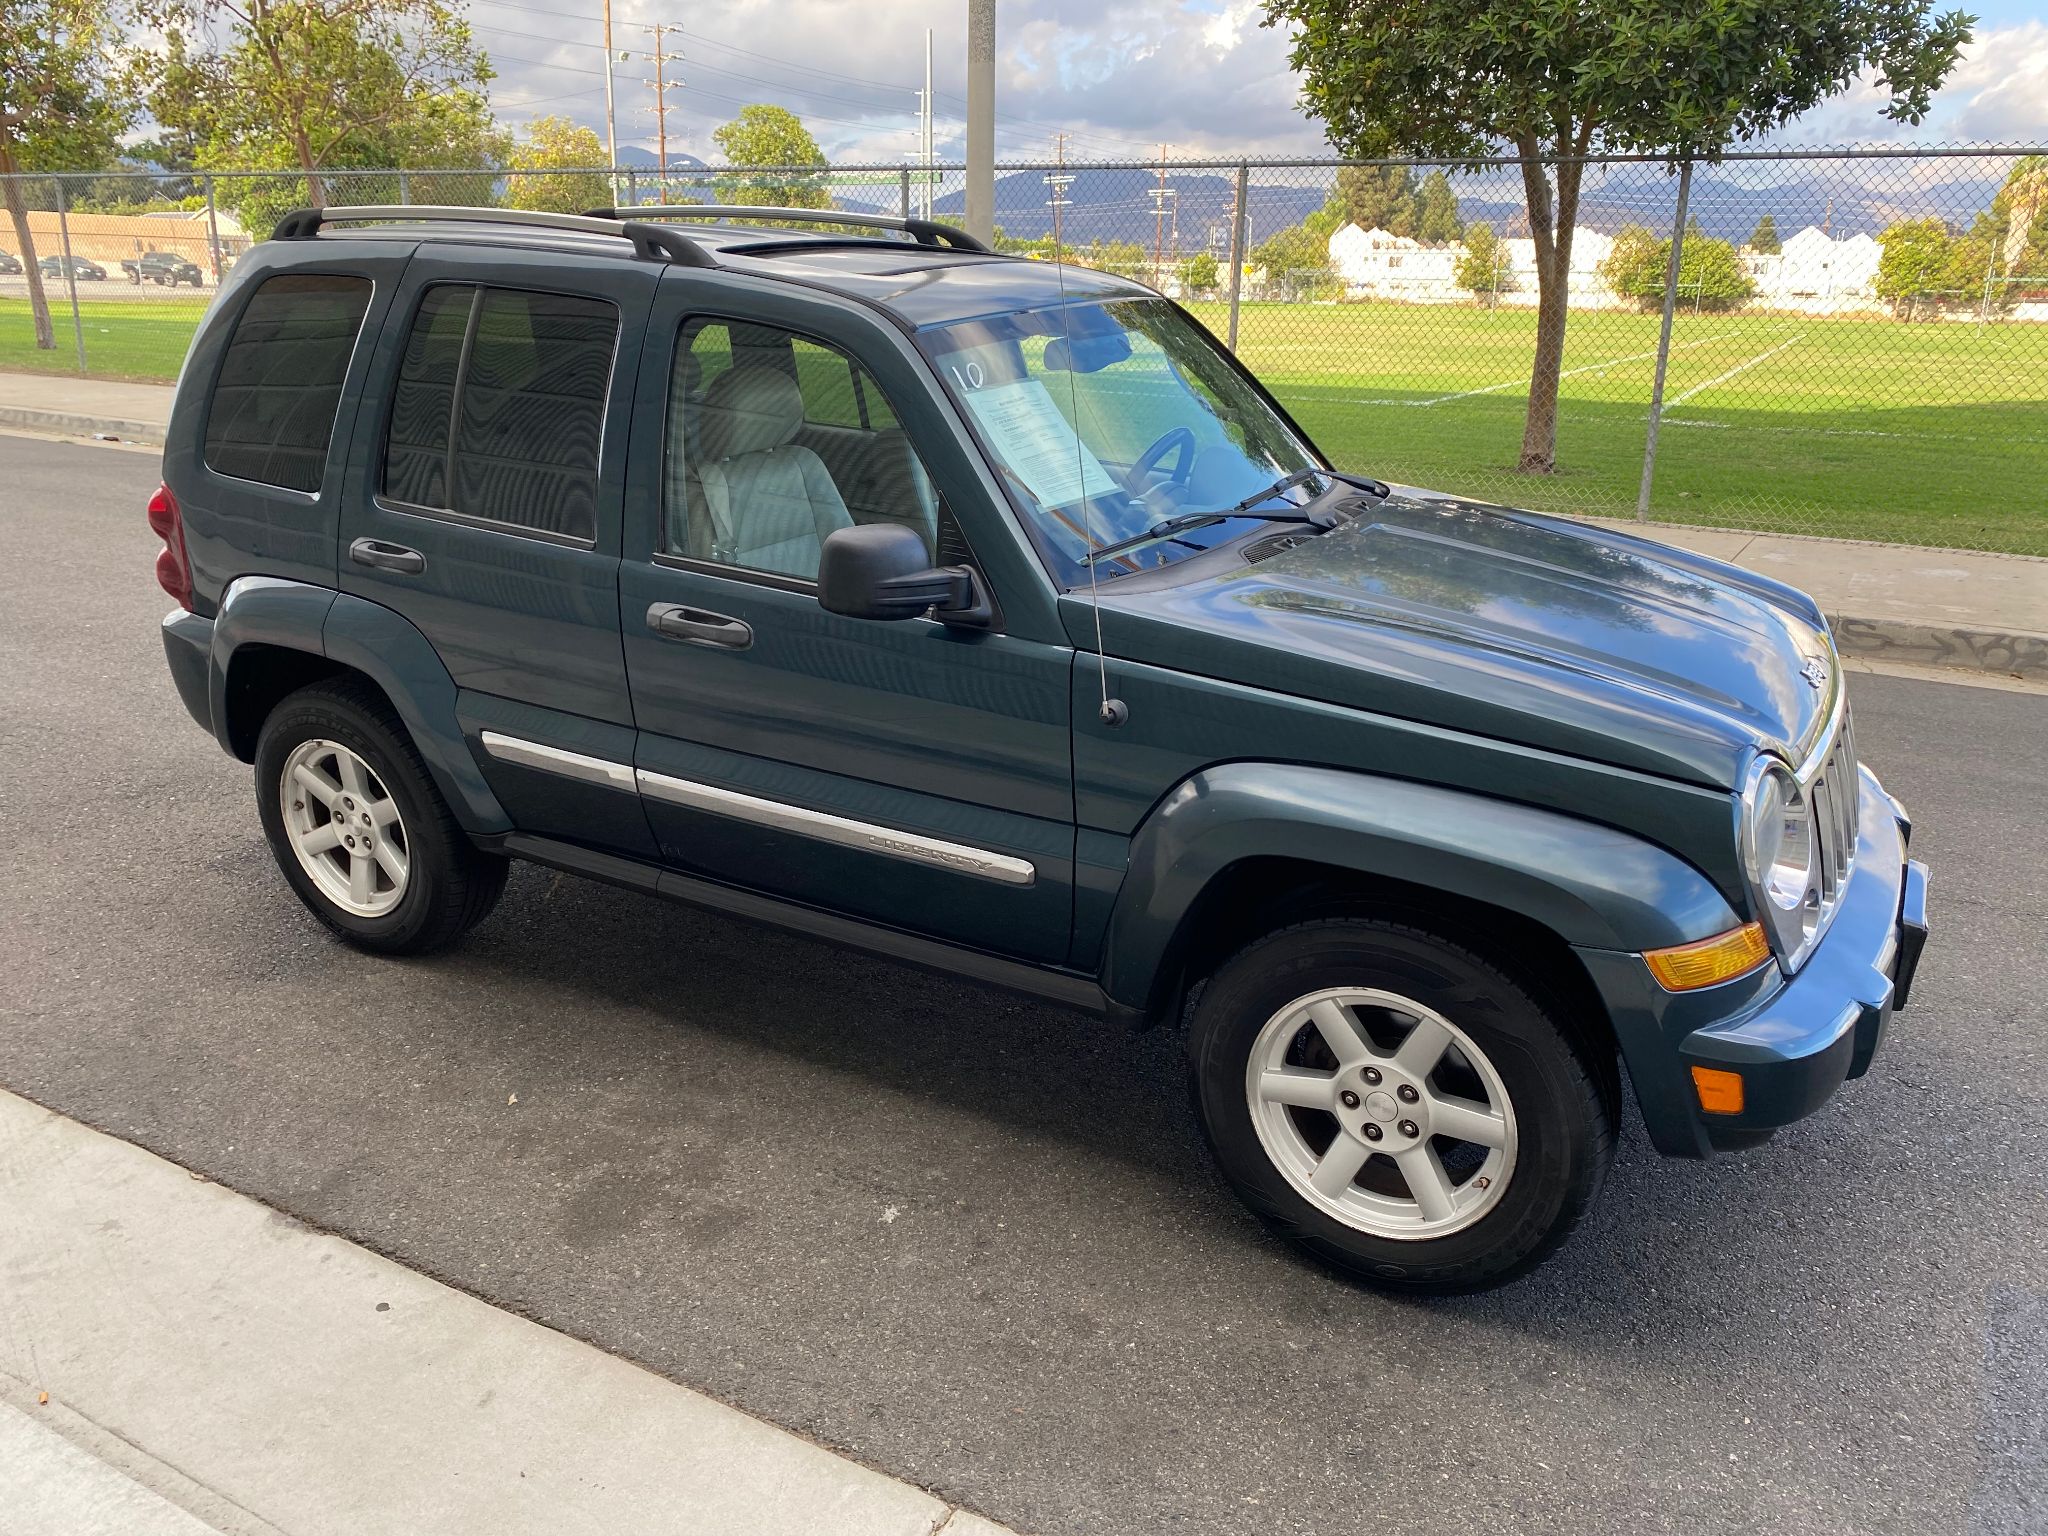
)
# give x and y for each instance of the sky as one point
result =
(1120, 76)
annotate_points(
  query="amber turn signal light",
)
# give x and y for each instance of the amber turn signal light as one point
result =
(1686, 967)
(1720, 1091)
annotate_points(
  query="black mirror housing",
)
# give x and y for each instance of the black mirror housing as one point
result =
(881, 571)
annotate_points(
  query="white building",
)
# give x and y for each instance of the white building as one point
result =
(1374, 263)
(1815, 271)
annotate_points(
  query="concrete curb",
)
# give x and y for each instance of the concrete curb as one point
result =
(72, 425)
(1927, 645)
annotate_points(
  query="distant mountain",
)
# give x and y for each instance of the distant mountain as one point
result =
(633, 157)
(1728, 200)
(1119, 205)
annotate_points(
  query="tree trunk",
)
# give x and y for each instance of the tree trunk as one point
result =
(315, 193)
(1550, 231)
(17, 213)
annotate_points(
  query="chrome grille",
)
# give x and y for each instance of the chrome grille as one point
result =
(1831, 790)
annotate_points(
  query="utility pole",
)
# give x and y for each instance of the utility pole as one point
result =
(661, 84)
(981, 119)
(1059, 180)
(611, 123)
(929, 148)
(1159, 217)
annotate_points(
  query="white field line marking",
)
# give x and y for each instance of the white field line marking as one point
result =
(1738, 368)
(1612, 362)
(1752, 426)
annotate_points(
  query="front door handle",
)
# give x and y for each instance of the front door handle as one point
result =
(381, 556)
(698, 626)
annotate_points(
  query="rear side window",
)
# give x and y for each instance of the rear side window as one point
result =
(499, 410)
(271, 419)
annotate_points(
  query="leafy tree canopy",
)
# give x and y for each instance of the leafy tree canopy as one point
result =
(1764, 238)
(1709, 274)
(556, 160)
(321, 85)
(1483, 269)
(765, 139)
(1436, 217)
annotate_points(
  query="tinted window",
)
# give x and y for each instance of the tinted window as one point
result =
(271, 418)
(499, 410)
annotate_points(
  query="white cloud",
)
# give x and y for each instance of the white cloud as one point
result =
(1120, 76)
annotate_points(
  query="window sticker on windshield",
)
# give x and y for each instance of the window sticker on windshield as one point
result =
(1037, 443)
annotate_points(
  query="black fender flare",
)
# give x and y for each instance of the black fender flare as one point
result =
(1592, 885)
(381, 644)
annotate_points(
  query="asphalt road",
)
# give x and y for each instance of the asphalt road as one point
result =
(976, 1242)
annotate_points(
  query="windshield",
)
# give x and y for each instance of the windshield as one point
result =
(1106, 418)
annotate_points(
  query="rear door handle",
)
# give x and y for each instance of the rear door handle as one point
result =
(381, 556)
(698, 626)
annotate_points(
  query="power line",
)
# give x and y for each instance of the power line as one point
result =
(661, 89)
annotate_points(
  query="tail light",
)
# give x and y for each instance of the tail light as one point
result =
(173, 568)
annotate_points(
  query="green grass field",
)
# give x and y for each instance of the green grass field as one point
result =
(1864, 428)
(140, 338)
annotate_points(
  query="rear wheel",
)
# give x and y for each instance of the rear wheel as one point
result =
(1399, 1106)
(358, 828)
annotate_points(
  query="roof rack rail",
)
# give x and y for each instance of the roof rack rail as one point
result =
(924, 231)
(650, 241)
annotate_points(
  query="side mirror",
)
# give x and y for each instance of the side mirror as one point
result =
(881, 571)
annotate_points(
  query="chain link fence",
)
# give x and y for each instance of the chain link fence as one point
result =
(1856, 344)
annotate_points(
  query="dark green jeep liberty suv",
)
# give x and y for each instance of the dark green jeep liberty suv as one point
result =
(835, 571)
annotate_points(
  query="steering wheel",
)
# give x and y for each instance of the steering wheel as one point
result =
(1175, 438)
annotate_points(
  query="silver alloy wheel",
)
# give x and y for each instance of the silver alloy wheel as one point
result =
(345, 828)
(1381, 1113)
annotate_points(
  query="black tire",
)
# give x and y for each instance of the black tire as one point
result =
(1561, 1084)
(451, 885)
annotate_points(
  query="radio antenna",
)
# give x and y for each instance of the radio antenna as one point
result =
(1113, 712)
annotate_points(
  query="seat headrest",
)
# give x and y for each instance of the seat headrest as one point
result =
(749, 409)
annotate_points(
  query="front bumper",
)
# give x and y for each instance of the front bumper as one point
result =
(1793, 1042)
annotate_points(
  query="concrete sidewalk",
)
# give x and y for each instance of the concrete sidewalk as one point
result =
(1888, 602)
(179, 1360)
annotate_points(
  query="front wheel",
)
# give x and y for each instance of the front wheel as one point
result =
(1397, 1105)
(359, 829)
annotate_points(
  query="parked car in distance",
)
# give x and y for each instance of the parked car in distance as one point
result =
(165, 268)
(986, 614)
(10, 264)
(83, 270)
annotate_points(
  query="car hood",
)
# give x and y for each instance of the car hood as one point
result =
(1513, 625)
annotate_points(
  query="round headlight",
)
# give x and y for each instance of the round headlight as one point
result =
(1778, 853)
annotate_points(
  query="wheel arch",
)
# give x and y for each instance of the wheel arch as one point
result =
(1241, 849)
(273, 637)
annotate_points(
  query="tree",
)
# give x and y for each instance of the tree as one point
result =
(1483, 269)
(766, 139)
(1294, 257)
(1198, 274)
(1559, 79)
(61, 107)
(1912, 264)
(2018, 219)
(1372, 197)
(320, 85)
(556, 159)
(1436, 219)
(1764, 238)
(1709, 275)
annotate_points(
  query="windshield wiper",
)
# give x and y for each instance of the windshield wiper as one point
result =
(1183, 522)
(1169, 527)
